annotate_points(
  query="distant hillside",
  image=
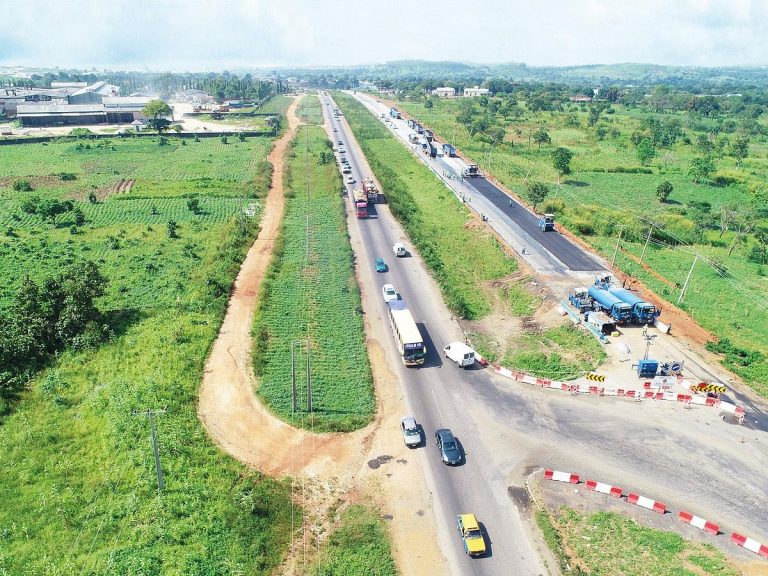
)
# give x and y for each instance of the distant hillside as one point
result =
(626, 73)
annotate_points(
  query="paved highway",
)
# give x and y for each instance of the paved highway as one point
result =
(509, 429)
(435, 394)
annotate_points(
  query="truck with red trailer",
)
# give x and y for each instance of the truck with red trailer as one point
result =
(360, 203)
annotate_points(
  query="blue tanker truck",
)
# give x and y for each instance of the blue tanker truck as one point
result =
(610, 304)
(642, 312)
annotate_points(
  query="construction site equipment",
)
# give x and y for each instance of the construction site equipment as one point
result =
(606, 302)
(371, 192)
(579, 299)
(360, 203)
(547, 222)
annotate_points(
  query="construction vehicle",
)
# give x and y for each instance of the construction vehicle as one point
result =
(394, 113)
(606, 302)
(360, 203)
(429, 135)
(471, 171)
(371, 192)
(601, 321)
(579, 299)
(429, 149)
(449, 150)
(413, 138)
(642, 312)
(547, 222)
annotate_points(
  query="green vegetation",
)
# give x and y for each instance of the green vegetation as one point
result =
(311, 291)
(310, 110)
(78, 484)
(463, 259)
(712, 154)
(606, 543)
(359, 545)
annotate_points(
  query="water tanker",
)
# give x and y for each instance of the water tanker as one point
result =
(611, 305)
(642, 312)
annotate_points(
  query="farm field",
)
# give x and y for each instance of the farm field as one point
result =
(309, 292)
(609, 192)
(609, 543)
(78, 486)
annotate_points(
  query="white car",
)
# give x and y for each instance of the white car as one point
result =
(342, 151)
(350, 180)
(389, 293)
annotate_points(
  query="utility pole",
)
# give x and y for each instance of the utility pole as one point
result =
(646, 243)
(309, 377)
(685, 286)
(616, 250)
(151, 414)
(294, 393)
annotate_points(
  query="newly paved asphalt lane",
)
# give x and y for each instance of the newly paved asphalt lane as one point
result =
(435, 394)
(573, 256)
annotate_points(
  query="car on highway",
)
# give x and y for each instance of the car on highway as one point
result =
(344, 160)
(350, 179)
(411, 432)
(335, 130)
(399, 249)
(381, 266)
(342, 151)
(389, 293)
(460, 353)
(340, 142)
(471, 535)
(448, 446)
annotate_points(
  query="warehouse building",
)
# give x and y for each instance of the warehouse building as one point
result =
(444, 92)
(476, 91)
(115, 110)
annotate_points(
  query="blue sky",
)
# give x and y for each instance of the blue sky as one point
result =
(205, 35)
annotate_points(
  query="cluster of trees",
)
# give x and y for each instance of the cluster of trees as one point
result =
(46, 318)
(50, 209)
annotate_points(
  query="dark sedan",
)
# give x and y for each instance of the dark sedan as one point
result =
(449, 448)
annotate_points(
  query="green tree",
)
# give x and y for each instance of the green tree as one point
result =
(50, 209)
(701, 168)
(561, 160)
(428, 103)
(594, 114)
(194, 205)
(156, 112)
(663, 190)
(172, 229)
(78, 216)
(537, 192)
(29, 204)
(646, 151)
(740, 148)
(541, 137)
(22, 186)
(92, 198)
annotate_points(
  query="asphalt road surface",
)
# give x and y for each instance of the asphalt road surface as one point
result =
(573, 256)
(689, 459)
(434, 394)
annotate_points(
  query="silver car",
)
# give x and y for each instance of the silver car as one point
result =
(411, 431)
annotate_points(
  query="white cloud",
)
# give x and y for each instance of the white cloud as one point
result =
(204, 34)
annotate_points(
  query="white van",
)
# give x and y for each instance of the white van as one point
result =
(399, 249)
(460, 353)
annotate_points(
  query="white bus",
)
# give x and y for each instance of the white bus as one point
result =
(407, 336)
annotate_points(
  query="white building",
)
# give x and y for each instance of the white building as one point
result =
(476, 91)
(444, 92)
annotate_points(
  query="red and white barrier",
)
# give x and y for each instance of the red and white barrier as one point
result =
(649, 392)
(749, 544)
(595, 486)
(561, 476)
(699, 522)
(480, 359)
(644, 502)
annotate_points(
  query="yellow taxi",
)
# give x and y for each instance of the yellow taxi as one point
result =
(471, 535)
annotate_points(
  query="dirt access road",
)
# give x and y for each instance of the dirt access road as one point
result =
(328, 467)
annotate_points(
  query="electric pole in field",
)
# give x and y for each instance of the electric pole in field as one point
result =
(616, 250)
(151, 414)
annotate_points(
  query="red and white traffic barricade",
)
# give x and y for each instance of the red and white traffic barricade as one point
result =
(561, 476)
(737, 411)
(699, 522)
(644, 502)
(749, 544)
(595, 486)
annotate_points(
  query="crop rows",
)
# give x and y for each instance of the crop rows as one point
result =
(313, 293)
